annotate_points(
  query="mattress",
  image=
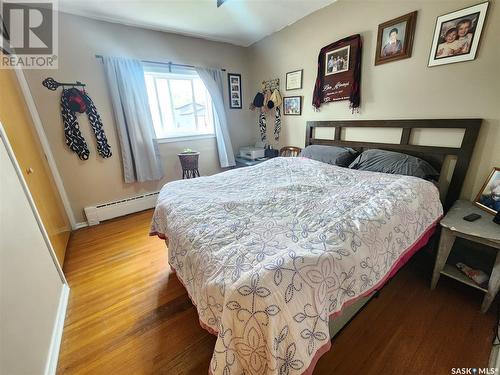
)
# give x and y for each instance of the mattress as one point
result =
(269, 253)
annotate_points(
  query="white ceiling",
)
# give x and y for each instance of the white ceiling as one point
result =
(240, 22)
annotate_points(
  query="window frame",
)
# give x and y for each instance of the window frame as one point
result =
(168, 74)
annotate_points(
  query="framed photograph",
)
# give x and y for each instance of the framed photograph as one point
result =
(489, 196)
(294, 80)
(234, 90)
(337, 61)
(395, 39)
(457, 35)
(292, 105)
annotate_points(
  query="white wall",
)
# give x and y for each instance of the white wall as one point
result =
(402, 89)
(100, 180)
(30, 286)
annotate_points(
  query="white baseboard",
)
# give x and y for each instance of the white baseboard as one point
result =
(55, 343)
(83, 224)
(110, 210)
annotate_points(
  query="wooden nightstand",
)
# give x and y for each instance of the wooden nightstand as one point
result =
(483, 231)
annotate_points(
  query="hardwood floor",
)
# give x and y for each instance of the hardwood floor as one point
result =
(128, 314)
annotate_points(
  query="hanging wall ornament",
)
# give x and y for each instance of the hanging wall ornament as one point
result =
(277, 100)
(277, 124)
(74, 101)
(339, 73)
(262, 125)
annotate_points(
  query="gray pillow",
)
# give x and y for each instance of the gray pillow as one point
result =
(341, 156)
(395, 163)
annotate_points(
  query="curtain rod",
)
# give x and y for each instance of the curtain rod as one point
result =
(161, 63)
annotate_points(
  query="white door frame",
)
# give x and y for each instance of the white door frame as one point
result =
(23, 83)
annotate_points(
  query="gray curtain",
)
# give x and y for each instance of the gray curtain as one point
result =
(213, 78)
(140, 155)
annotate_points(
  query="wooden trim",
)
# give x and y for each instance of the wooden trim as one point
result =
(435, 155)
(392, 146)
(338, 133)
(405, 136)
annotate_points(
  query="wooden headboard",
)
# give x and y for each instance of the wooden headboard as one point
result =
(434, 155)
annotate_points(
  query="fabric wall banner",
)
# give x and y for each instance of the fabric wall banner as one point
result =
(339, 72)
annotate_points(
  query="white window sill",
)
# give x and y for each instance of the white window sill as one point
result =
(184, 138)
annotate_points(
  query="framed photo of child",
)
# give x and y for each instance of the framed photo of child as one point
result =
(395, 39)
(457, 35)
(489, 196)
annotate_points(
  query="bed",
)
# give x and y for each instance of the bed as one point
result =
(272, 254)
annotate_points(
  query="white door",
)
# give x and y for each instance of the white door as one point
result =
(33, 291)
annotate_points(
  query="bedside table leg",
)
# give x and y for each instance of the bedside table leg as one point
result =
(493, 285)
(445, 244)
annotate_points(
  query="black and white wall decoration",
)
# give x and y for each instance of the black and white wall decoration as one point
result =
(234, 90)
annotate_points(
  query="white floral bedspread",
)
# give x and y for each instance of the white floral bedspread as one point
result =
(268, 253)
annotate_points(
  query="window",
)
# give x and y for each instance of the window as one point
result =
(180, 103)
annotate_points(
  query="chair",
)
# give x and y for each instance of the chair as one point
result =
(290, 151)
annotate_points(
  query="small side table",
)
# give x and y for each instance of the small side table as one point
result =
(483, 231)
(189, 164)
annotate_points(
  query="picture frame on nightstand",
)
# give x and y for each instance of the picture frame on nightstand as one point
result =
(488, 197)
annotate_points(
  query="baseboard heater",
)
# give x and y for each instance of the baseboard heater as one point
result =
(106, 211)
